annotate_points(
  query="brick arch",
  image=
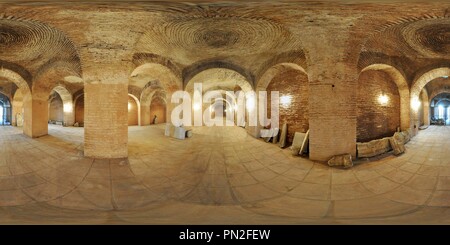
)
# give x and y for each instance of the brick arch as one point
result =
(417, 86)
(190, 72)
(17, 79)
(438, 92)
(161, 76)
(403, 90)
(273, 71)
(289, 79)
(148, 93)
(6, 96)
(50, 77)
(218, 75)
(425, 78)
(439, 101)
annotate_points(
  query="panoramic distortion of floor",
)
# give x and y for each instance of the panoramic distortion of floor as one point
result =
(220, 176)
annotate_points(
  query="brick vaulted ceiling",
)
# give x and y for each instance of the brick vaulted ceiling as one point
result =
(190, 37)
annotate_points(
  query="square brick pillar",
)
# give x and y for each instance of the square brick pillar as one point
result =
(332, 108)
(145, 115)
(27, 115)
(106, 120)
(39, 117)
(35, 121)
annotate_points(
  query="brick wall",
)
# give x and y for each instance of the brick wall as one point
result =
(79, 109)
(158, 108)
(375, 120)
(56, 109)
(292, 83)
(17, 108)
(105, 124)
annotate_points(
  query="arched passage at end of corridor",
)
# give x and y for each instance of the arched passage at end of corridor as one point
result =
(438, 92)
(440, 108)
(416, 89)
(383, 102)
(220, 80)
(61, 106)
(79, 109)
(133, 110)
(5, 110)
(148, 96)
(158, 108)
(292, 83)
(153, 78)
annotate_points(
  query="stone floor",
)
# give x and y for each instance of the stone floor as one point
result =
(220, 176)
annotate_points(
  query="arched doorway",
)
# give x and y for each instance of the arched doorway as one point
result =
(133, 111)
(55, 109)
(79, 110)
(378, 105)
(292, 86)
(158, 108)
(148, 79)
(216, 82)
(417, 92)
(5, 110)
(291, 82)
(60, 107)
(440, 109)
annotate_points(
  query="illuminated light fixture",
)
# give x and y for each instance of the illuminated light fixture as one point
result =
(129, 106)
(67, 107)
(415, 103)
(383, 99)
(445, 77)
(250, 103)
(196, 106)
(285, 100)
